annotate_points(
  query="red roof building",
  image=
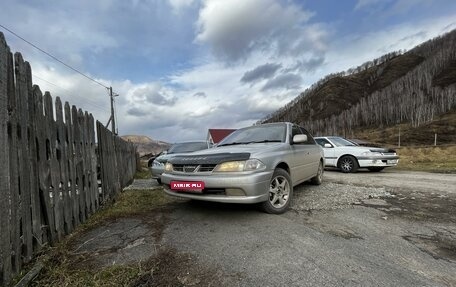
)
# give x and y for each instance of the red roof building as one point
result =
(216, 135)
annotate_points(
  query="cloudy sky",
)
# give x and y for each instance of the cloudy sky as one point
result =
(183, 66)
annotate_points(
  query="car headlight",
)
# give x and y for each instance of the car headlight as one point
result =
(370, 153)
(244, 165)
(168, 167)
(158, 164)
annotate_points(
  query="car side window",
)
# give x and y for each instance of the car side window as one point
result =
(296, 130)
(322, 142)
(310, 139)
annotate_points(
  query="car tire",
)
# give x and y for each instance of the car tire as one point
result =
(280, 193)
(347, 164)
(159, 180)
(318, 179)
(375, 169)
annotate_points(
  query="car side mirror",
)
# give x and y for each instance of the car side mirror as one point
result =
(164, 152)
(299, 138)
(327, 145)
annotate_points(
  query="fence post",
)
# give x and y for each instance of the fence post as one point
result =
(5, 249)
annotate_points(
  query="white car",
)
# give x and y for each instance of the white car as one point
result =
(348, 156)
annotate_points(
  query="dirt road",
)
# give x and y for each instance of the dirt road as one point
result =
(365, 229)
(425, 181)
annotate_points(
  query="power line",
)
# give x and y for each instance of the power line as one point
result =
(53, 57)
(72, 95)
(112, 95)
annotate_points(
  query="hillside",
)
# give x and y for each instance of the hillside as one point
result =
(444, 126)
(398, 88)
(146, 145)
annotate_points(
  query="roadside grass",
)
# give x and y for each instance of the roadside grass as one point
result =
(65, 268)
(144, 173)
(432, 159)
(62, 267)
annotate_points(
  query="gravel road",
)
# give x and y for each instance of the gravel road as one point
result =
(366, 229)
(391, 228)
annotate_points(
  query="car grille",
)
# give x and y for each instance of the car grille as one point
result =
(192, 168)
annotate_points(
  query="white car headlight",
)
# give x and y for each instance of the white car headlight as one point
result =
(244, 165)
(369, 153)
(168, 167)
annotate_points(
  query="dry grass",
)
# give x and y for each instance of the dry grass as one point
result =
(63, 268)
(433, 159)
(144, 173)
(61, 265)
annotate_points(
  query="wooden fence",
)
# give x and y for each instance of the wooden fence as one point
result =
(48, 165)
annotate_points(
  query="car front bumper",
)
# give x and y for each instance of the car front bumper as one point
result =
(228, 188)
(377, 161)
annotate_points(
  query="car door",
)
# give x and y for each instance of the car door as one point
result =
(330, 157)
(304, 159)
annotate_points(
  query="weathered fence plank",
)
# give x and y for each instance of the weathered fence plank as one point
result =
(35, 113)
(75, 144)
(14, 172)
(52, 173)
(69, 206)
(22, 91)
(5, 248)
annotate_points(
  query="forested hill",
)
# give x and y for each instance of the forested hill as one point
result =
(413, 87)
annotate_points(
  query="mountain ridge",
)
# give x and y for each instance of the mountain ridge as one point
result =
(400, 87)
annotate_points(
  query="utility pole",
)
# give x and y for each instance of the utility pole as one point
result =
(113, 117)
(113, 120)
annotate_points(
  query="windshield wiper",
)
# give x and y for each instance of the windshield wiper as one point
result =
(266, 141)
(262, 141)
(233, 143)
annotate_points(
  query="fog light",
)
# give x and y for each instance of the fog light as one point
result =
(234, 192)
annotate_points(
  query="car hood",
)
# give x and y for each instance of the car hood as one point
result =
(253, 149)
(365, 149)
(165, 157)
(225, 153)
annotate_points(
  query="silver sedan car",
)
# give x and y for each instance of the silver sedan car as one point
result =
(257, 164)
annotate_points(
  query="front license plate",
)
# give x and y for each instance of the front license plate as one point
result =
(391, 161)
(187, 186)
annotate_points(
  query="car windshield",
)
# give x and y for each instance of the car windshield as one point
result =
(341, 141)
(187, 147)
(256, 134)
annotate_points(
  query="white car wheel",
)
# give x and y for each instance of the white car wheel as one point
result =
(348, 164)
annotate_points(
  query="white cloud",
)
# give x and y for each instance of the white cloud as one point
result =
(234, 29)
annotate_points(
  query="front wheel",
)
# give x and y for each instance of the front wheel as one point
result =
(348, 164)
(280, 193)
(318, 179)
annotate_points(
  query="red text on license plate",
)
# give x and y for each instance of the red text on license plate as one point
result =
(187, 185)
